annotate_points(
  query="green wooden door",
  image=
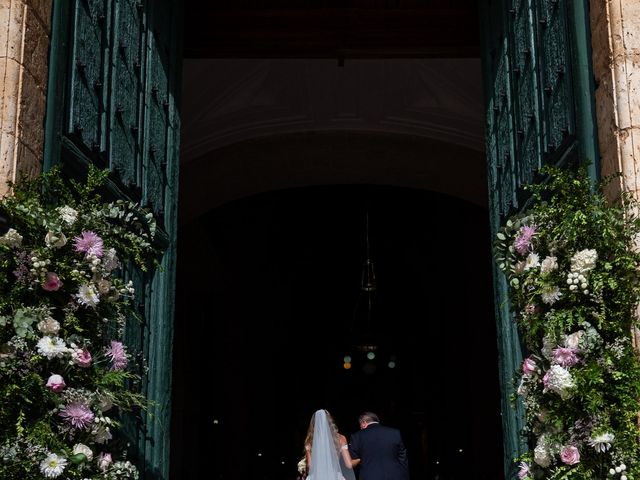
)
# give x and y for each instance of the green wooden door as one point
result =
(539, 110)
(112, 101)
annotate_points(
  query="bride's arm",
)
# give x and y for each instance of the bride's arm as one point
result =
(344, 451)
(307, 454)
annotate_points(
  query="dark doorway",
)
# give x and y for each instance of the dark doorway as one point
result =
(269, 304)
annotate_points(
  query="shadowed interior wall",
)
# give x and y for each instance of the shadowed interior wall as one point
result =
(269, 304)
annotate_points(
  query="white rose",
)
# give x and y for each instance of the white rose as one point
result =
(49, 326)
(56, 240)
(573, 340)
(11, 238)
(549, 264)
(83, 449)
(68, 215)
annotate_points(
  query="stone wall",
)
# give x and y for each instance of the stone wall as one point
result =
(25, 27)
(615, 28)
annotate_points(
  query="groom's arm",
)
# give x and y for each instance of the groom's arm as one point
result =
(402, 453)
(354, 446)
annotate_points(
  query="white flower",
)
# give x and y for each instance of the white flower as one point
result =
(56, 240)
(103, 286)
(532, 261)
(11, 238)
(523, 390)
(584, 261)
(101, 434)
(302, 465)
(573, 340)
(87, 295)
(51, 347)
(550, 295)
(602, 442)
(549, 264)
(53, 466)
(83, 449)
(541, 454)
(49, 326)
(68, 215)
(110, 260)
(558, 380)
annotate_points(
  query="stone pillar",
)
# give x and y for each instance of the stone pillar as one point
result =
(25, 27)
(615, 29)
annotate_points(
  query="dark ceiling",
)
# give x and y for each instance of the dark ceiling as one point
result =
(331, 29)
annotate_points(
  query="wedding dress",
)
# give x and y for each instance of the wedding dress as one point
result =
(326, 463)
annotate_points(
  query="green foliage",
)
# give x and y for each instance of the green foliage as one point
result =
(65, 376)
(572, 264)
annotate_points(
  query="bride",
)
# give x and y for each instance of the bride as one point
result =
(326, 450)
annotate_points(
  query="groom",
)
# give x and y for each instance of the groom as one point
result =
(380, 449)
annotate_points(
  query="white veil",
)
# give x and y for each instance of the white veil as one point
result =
(326, 461)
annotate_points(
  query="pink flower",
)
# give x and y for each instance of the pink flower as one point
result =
(522, 243)
(104, 460)
(56, 383)
(90, 243)
(52, 283)
(118, 355)
(565, 356)
(78, 414)
(570, 455)
(529, 366)
(82, 358)
(525, 470)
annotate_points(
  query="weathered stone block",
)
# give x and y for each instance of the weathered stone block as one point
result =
(32, 112)
(11, 26)
(28, 164)
(7, 153)
(9, 91)
(36, 49)
(42, 9)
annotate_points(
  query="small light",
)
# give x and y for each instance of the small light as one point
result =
(460, 450)
(391, 364)
(282, 462)
(346, 365)
(437, 462)
(371, 355)
(259, 454)
(347, 359)
(216, 421)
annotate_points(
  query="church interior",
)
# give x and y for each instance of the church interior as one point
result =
(316, 139)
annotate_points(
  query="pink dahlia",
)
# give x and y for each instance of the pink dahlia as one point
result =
(118, 356)
(522, 243)
(89, 242)
(104, 460)
(565, 356)
(52, 283)
(529, 366)
(78, 414)
(82, 358)
(56, 383)
(525, 470)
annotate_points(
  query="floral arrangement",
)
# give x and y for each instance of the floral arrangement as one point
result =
(572, 266)
(65, 375)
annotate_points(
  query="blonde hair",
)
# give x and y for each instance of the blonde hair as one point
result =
(308, 441)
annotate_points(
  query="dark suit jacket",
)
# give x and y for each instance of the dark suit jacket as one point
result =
(381, 452)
